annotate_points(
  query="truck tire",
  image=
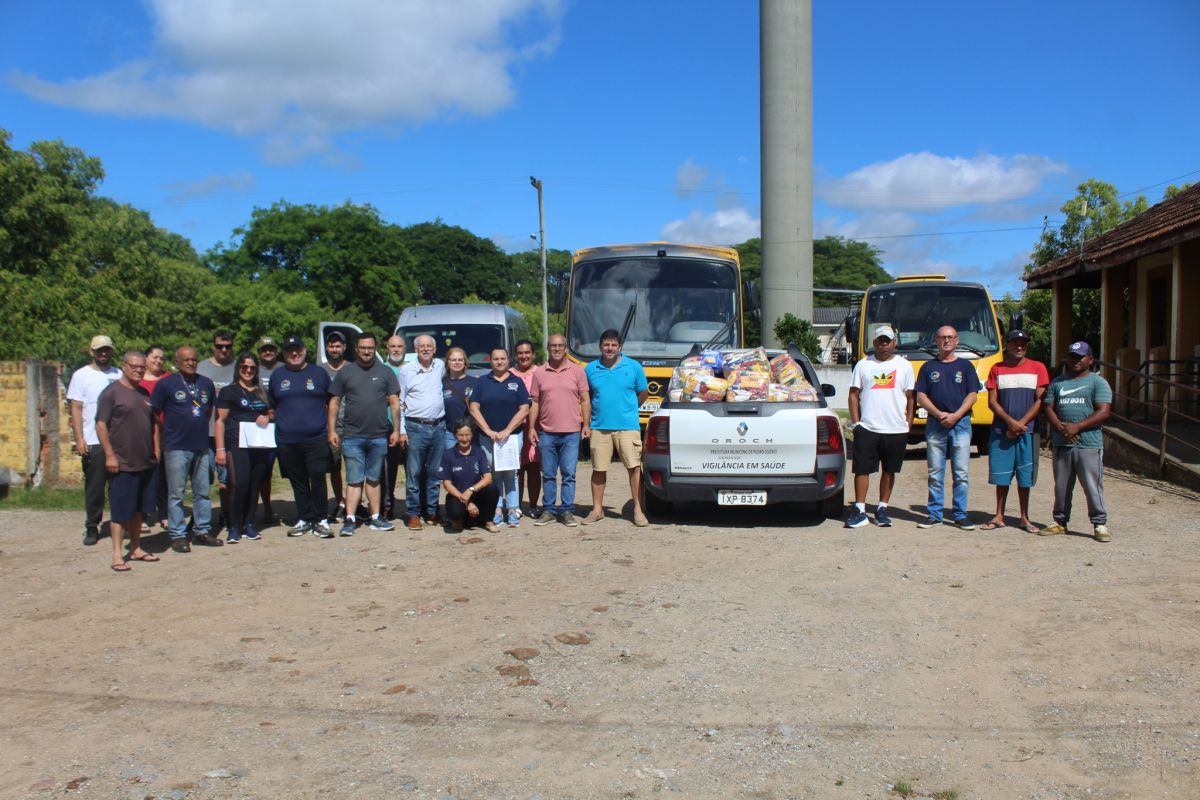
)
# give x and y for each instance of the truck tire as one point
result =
(834, 506)
(653, 504)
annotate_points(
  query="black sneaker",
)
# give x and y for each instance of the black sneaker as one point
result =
(90, 537)
(320, 530)
(882, 519)
(929, 522)
(536, 512)
(300, 529)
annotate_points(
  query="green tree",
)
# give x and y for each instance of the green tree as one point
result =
(791, 330)
(527, 274)
(450, 262)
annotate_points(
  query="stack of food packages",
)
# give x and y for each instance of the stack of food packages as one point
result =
(738, 376)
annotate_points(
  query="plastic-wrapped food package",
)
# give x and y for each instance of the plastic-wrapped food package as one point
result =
(680, 375)
(747, 361)
(714, 359)
(706, 388)
(786, 371)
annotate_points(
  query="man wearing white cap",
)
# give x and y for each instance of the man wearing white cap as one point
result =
(1077, 404)
(87, 383)
(881, 411)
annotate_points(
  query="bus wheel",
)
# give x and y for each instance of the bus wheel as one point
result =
(979, 438)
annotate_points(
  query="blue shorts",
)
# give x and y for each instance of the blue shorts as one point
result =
(132, 493)
(363, 457)
(1009, 457)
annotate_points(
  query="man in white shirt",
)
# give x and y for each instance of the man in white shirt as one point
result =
(87, 383)
(881, 411)
(423, 431)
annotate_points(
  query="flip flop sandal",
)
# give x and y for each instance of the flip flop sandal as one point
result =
(144, 557)
(1030, 528)
(120, 567)
(991, 526)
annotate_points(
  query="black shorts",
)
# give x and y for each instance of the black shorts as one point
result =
(871, 449)
(132, 493)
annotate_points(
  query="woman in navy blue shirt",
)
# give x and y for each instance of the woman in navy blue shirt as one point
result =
(242, 401)
(467, 478)
(499, 405)
(456, 391)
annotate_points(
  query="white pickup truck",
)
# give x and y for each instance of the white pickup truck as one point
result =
(746, 453)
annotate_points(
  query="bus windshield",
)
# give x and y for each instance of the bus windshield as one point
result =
(476, 340)
(675, 303)
(916, 312)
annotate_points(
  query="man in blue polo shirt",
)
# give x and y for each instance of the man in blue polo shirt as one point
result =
(299, 395)
(618, 387)
(946, 388)
(186, 400)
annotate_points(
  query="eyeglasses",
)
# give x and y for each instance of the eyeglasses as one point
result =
(247, 368)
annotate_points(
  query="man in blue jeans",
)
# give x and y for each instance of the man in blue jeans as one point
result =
(367, 389)
(946, 388)
(560, 416)
(186, 401)
(423, 431)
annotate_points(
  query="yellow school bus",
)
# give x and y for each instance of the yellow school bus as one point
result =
(916, 306)
(664, 298)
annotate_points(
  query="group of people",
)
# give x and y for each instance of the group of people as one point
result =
(884, 398)
(149, 434)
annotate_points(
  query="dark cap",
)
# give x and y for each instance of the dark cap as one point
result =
(292, 341)
(1081, 349)
(1016, 333)
(335, 336)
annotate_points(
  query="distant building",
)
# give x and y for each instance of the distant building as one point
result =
(827, 325)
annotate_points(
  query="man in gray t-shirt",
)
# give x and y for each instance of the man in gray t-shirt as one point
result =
(220, 370)
(365, 390)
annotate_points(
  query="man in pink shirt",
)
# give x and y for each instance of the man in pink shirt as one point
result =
(560, 416)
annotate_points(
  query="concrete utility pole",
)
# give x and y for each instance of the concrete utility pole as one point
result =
(537, 184)
(785, 101)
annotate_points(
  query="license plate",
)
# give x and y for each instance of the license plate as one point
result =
(650, 406)
(922, 413)
(731, 497)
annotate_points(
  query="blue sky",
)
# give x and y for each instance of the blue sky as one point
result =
(943, 131)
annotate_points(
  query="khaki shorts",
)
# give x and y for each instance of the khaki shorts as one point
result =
(626, 444)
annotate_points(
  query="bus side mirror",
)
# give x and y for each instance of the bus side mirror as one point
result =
(560, 298)
(751, 299)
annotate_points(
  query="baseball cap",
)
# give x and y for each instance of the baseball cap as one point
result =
(292, 341)
(885, 331)
(1081, 349)
(1016, 333)
(101, 341)
(265, 342)
(335, 336)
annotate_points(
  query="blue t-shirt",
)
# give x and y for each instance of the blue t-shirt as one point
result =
(500, 400)
(464, 470)
(300, 399)
(615, 394)
(186, 406)
(947, 384)
(456, 395)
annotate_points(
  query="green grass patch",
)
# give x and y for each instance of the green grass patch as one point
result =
(946, 794)
(42, 498)
(903, 788)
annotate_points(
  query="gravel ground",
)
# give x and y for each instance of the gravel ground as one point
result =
(722, 653)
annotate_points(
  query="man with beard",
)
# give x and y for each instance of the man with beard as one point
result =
(219, 370)
(87, 383)
(396, 455)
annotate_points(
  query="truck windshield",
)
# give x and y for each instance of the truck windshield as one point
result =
(916, 312)
(477, 340)
(675, 303)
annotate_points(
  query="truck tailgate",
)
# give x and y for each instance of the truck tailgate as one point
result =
(757, 439)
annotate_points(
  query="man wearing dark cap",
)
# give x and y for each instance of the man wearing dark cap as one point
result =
(87, 383)
(299, 394)
(1015, 388)
(1078, 403)
(268, 360)
(335, 360)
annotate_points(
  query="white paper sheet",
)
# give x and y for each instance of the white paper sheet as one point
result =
(250, 435)
(506, 454)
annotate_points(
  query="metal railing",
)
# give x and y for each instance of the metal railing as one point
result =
(1139, 381)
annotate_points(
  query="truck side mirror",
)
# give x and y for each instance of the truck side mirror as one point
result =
(828, 389)
(751, 299)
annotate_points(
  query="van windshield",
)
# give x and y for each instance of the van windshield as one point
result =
(916, 312)
(477, 340)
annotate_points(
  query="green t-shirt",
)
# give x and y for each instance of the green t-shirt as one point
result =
(1074, 400)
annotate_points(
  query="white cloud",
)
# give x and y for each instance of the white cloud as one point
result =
(724, 226)
(299, 72)
(689, 178)
(240, 181)
(929, 182)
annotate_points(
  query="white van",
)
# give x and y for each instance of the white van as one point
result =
(476, 328)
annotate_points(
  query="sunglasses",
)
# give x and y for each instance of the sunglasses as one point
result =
(222, 347)
(245, 367)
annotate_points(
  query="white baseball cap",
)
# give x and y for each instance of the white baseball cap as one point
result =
(885, 331)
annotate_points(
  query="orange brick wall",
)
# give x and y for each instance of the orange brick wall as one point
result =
(14, 425)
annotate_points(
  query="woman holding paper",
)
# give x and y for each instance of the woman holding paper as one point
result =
(499, 406)
(242, 402)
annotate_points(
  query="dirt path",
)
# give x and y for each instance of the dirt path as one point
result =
(733, 653)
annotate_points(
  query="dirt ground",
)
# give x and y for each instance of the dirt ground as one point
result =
(729, 653)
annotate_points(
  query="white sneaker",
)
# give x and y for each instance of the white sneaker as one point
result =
(1100, 533)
